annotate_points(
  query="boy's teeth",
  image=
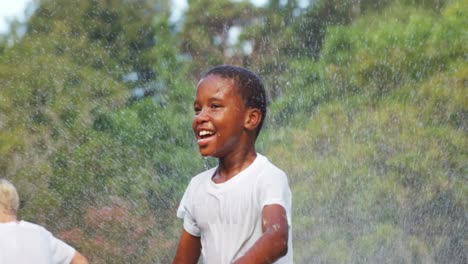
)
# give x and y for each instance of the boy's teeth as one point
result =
(204, 133)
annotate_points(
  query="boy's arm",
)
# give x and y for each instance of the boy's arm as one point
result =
(78, 259)
(188, 250)
(273, 243)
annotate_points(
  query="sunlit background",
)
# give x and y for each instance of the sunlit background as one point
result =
(10, 10)
(367, 116)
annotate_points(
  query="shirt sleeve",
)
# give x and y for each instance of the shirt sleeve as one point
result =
(62, 253)
(185, 212)
(274, 189)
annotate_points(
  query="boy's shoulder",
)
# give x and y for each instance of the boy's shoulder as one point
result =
(262, 167)
(203, 176)
(25, 225)
(29, 225)
(269, 165)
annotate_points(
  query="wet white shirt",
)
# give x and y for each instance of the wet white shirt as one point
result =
(227, 216)
(26, 243)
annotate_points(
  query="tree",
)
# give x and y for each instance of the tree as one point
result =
(63, 137)
(205, 31)
(386, 134)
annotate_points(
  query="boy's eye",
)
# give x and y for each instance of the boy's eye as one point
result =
(214, 106)
(196, 110)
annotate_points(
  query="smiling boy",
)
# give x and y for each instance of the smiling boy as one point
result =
(239, 211)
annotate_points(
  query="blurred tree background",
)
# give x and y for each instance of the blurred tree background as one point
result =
(368, 117)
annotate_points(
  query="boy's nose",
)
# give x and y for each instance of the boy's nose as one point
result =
(200, 117)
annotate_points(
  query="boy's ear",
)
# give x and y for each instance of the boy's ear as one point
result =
(252, 118)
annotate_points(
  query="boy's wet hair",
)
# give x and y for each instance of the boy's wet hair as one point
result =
(249, 84)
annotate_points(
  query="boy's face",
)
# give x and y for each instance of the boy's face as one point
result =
(219, 116)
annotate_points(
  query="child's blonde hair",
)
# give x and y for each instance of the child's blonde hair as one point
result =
(9, 199)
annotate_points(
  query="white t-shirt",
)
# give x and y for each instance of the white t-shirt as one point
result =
(25, 243)
(228, 216)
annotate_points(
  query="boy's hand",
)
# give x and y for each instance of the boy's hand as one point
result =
(273, 244)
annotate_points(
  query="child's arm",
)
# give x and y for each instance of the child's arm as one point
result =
(188, 250)
(273, 243)
(78, 259)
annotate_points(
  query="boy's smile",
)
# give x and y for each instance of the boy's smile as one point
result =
(219, 116)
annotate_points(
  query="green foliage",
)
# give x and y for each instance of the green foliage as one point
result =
(367, 117)
(74, 142)
(107, 35)
(383, 116)
(205, 31)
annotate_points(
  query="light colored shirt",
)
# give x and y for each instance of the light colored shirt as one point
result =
(26, 243)
(228, 216)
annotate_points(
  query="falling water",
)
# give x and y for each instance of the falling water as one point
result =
(367, 116)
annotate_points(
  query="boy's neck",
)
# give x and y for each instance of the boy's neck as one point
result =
(5, 218)
(230, 166)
